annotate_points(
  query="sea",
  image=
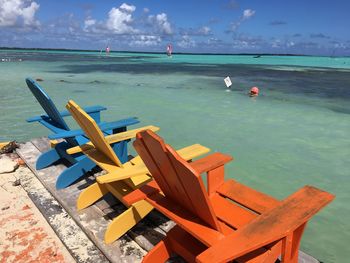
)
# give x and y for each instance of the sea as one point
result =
(295, 133)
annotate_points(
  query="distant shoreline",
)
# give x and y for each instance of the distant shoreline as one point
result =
(155, 52)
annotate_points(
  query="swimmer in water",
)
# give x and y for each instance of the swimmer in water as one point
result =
(254, 92)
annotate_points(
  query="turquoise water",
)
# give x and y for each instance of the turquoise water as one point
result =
(295, 133)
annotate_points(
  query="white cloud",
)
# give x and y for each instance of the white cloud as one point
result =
(89, 23)
(205, 30)
(120, 19)
(213, 41)
(290, 44)
(161, 22)
(247, 42)
(240, 44)
(340, 45)
(127, 8)
(282, 44)
(248, 13)
(186, 42)
(18, 13)
(145, 40)
(200, 31)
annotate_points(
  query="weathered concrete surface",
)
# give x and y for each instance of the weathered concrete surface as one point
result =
(25, 236)
(92, 220)
(78, 244)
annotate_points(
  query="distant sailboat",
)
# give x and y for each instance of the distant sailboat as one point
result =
(108, 50)
(169, 50)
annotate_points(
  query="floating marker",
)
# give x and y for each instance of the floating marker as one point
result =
(254, 91)
(228, 82)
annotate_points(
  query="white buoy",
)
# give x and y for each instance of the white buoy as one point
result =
(228, 83)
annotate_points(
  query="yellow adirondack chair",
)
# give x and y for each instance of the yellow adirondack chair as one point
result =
(121, 179)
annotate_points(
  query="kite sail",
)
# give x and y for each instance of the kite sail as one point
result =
(169, 50)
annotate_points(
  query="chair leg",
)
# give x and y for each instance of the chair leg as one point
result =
(61, 149)
(287, 249)
(125, 221)
(297, 234)
(90, 195)
(74, 172)
(47, 158)
(215, 179)
(159, 253)
(184, 244)
(177, 241)
(290, 245)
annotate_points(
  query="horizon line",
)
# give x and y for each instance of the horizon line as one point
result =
(158, 52)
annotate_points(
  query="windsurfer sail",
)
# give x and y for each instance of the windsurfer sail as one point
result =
(108, 50)
(169, 50)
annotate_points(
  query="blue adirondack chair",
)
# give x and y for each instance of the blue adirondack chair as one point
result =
(78, 164)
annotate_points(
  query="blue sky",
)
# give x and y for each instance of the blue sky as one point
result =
(228, 26)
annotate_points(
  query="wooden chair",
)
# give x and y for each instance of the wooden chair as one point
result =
(121, 179)
(78, 164)
(228, 221)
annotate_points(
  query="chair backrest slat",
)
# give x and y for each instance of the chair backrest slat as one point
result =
(176, 178)
(94, 133)
(160, 168)
(47, 104)
(194, 187)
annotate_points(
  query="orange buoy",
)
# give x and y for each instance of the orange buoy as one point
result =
(254, 91)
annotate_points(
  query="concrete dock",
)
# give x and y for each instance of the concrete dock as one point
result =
(81, 233)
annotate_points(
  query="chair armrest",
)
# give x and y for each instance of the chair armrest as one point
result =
(142, 193)
(210, 162)
(269, 227)
(187, 153)
(66, 113)
(113, 138)
(122, 136)
(105, 126)
(118, 124)
(136, 167)
(66, 134)
(123, 173)
(90, 109)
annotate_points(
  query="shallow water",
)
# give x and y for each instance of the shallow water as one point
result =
(295, 133)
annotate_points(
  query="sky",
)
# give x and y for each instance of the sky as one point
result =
(311, 27)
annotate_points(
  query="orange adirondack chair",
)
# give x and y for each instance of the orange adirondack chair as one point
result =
(228, 221)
